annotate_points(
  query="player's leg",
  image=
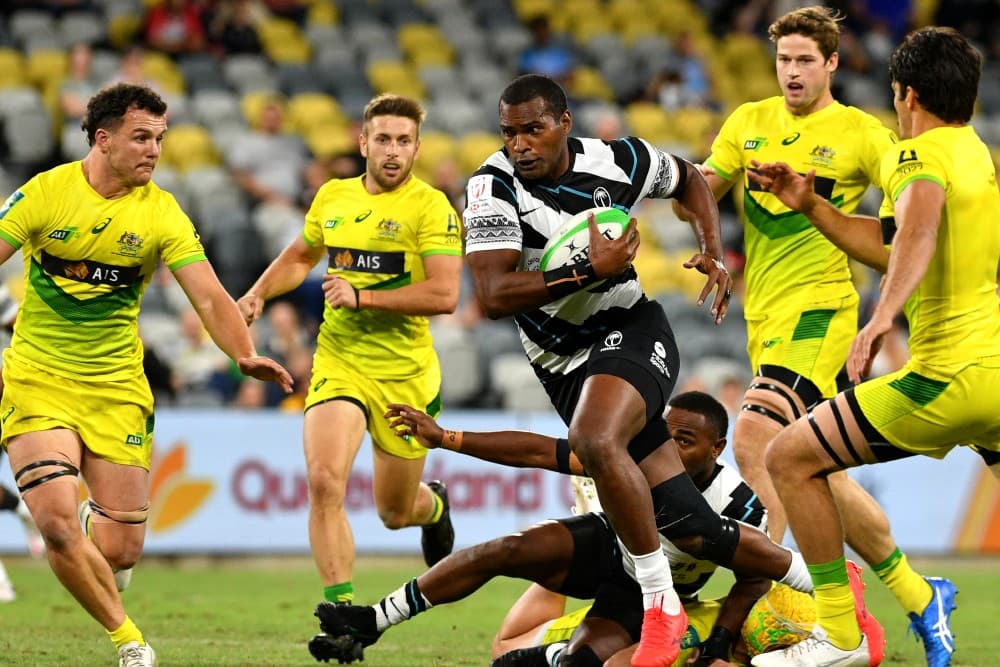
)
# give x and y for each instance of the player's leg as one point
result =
(400, 497)
(545, 553)
(796, 355)
(834, 437)
(45, 466)
(118, 508)
(536, 619)
(332, 434)
(527, 619)
(868, 534)
(610, 413)
(627, 381)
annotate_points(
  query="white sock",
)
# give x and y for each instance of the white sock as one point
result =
(797, 576)
(553, 652)
(3, 573)
(652, 572)
(403, 603)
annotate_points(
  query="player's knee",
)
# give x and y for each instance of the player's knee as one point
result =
(61, 530)
(394, 519)
(501, 552)
(326, 489)
(779, 457)
(595, 450)
(121, 554)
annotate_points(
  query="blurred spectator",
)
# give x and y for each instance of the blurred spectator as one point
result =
(547, 54)
(80, 85)
(130, 70)
(295, 10)
(608, 125)
(199, 366)
(448, 179)
(234, 27)
(299, 365)
(267, 163)
(174, 27)
(322, 169)
(162, 381)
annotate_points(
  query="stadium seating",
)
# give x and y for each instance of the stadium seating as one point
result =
(456, 56)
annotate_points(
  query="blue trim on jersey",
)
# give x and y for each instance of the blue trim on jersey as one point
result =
(566, 188)
(749, 509)
(635, 158)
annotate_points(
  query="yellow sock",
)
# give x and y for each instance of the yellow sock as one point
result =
(125, 633)
(912, 590)
(438, 509)
(835, 603)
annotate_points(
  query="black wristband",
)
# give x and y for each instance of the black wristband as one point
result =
(718, 645)
(357, 298)
(568, 279)
(562, 455)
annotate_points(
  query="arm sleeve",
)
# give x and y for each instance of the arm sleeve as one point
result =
(19, 215)
(906, 162)
(181, 243)
(727, 150)
(440, 231)
(491, 218)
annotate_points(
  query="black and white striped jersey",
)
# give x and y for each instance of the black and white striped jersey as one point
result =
(505, 212)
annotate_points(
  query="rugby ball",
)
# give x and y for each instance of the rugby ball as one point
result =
(570, 244)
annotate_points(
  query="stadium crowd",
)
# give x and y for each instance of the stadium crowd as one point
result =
(265, 98)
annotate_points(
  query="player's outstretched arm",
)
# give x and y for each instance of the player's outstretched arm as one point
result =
(701, 211)
(225, 324)
(859, 236)
(284, 274)
(518, 449)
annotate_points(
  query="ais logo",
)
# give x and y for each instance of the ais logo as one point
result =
(173, 496)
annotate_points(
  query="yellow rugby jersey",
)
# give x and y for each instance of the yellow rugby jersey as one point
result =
(87, 261)
(786, 257)
(379, 242)
(954, 313)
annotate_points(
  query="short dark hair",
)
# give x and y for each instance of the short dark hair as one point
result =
(817, 23)
(530, 86)
(943, 68)
(389, 104)
(701, 403)
(106, 110)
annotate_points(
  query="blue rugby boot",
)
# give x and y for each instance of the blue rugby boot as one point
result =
(933, 624)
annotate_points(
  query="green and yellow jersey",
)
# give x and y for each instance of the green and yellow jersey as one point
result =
(379, 242)
(87, 262)
(787, 259)
(954, 314)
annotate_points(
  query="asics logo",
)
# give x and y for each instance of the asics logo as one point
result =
(99, 227)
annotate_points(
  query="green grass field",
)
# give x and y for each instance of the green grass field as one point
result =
(259, 612)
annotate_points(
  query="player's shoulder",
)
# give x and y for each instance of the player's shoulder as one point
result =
(56, 180)
(865, 121)
(750, 111)
(159, 199)
(336, 186)
(426, 191)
